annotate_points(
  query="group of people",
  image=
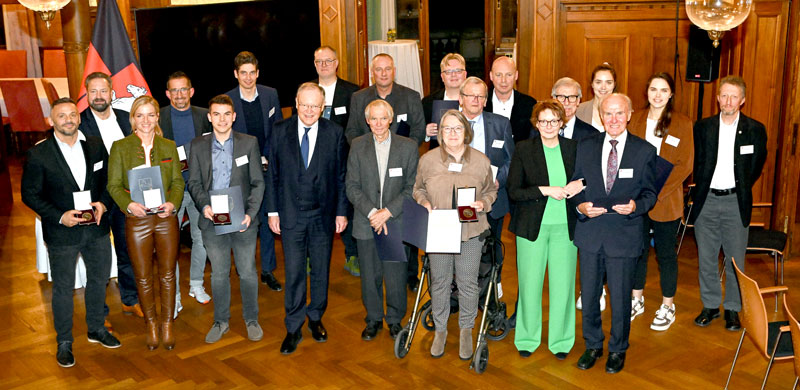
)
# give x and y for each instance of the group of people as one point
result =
(594, 179)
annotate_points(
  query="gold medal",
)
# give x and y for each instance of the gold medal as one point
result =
(87, 216)
(222, 217)
(468, 213)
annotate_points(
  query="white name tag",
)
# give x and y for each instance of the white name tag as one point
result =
(494, 173)
(454, 167)
(673, 141)
(271, 112)
(746, 149)
(219, 204)
(82, 200)
(98, 166)
(498, 143)
(181, 153)
(340, 110)
(206, 133)
(395, 172)
(152, 198)
(241, 160)
(402, 117)
(263, 160)
(625, 173)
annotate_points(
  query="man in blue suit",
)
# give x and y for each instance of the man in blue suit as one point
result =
(568, 92)
(618, 192)
(492, 137)
(257, 108)
(306, 203)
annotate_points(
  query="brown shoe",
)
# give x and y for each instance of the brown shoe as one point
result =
(152, 334)
(108, 326)
(166, 335)
(135, 310)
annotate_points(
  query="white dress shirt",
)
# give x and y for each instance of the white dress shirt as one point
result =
(502, 108)
(312, 137)
(650, 134)
(109, 129)
(622, 138)
(479, 135)
(569, 129)
(241, 96)
(75, 158)
(723, 172)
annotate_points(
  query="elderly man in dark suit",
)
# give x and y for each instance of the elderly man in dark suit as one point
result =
(568, 92)
(306, 204)
(258, 109)
(504, 100)
(220, 160)
(619, 191)
(381, 171)
(57, 169)
(492, 137)
(110, 124)
(729, 152)
(453, 71)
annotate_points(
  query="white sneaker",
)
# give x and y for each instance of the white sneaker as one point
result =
(199, 293)
(665, 316)
(579, 304)
(637, 307)
(178, 306)
(499, 290)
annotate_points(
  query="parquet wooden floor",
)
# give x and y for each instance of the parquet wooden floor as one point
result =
(685, 357)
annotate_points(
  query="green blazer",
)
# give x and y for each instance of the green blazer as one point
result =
(128, 153)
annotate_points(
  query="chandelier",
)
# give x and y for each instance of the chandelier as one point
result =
(718, 16)
(45, 8)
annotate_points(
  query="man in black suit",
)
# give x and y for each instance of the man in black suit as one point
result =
(57, 170)
(258, 109)
(220, 160)
(729, 153)
(506, 101)
(306, 203)
(568, 92)
(454, 72)
(618, 192)
(337, 101)
(110, 124)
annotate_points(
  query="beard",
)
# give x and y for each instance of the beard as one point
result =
(99, 105)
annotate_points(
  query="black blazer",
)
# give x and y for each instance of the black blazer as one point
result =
(520, 114)
(427, 110)
(582, 129)
(199, 117)
(48, 184)
(618, 235)
(746, 167)
(89, 126)
(270, 111)
(285, 165)
(527, 173)
(341, 98)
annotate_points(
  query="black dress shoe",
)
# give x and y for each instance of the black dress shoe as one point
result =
(561, 355)
(732, 320)
(64, 355)
(706, 316)
(524, 353)
(318, 331)
(290, 342)
(615, 362)
(104, 338)
(413, 283)
(394, 330)
(371, 330)
(588, 358)
(269, 279)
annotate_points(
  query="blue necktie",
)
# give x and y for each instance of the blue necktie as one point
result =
(304, 146)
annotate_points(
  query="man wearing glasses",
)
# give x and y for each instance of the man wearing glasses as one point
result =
(568, 92)
(409, 120)
(506, 101)
(492, 137)
(454, 73)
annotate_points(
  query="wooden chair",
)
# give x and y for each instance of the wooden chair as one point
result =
(50, 91)
(794, 327)
(765, 335)
(24, 111)
(53, 63)
(13, 64)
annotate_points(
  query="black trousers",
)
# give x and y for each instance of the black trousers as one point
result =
(665, 238)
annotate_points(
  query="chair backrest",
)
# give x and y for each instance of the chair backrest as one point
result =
(754, 312)
(795, 330)
(50, 91)
(23, 105)
(13, 64)
(54, 64)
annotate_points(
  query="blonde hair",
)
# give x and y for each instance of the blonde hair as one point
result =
(137, 104)
(452, 56)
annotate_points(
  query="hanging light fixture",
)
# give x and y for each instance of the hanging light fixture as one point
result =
(45, 8)
(718, 16)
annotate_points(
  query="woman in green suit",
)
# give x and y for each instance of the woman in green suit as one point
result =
(146, 231)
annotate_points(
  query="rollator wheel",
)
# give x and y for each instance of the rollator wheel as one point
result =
(400, 349)
(481, 358)
(427, 318)
(498, 328)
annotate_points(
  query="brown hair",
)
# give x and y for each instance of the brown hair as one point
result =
(245, 57)
(549, 104)
(468, 133)
(97, 75)
(604, 67)
(735, 81)
(221, 99)
(662, 127)
(137, 104)
(179, 75)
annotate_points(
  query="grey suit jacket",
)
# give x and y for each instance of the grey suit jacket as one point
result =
(409, 119)
(248, 176)
(363, 183)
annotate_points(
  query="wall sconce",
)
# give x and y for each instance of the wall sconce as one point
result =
(718, 16)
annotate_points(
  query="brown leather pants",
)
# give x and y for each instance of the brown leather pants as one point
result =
(143, 235)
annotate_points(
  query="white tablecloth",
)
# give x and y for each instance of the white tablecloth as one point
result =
(60, 83)
(406, 61)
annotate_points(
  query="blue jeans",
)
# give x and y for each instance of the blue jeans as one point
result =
(197, 266)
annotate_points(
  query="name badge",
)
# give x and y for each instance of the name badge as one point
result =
(271, 112)
(205, 133)
(340, 110)
(98, 165)
(625, 173)
(241, 161)
(746, 149)
(402, 117)
(498, 143)
(181, 153)
(454, 167)
(673, 141)
(395, 172)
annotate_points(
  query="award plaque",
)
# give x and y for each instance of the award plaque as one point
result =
(222, 219)
(182, 158)
(465, 196)
(184, 165)
(221, 209)
(83, 203)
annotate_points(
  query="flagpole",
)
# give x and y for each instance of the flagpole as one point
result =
(77, 32)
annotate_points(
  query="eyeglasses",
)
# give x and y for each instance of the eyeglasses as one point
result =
(179, 90)
(452, 71)
(307, 106)
(477, 97)
(567, 98)
(551, 123)
(453, 129)
(328, 61)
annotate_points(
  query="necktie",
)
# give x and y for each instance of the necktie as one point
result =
(561, 131)
(613, 166)
(304, 147)
(472, 125)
